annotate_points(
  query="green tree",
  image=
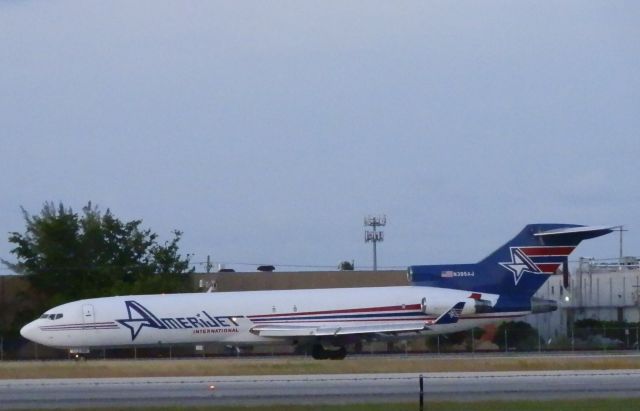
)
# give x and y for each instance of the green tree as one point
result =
(622, 331)
(68, 256)
(448, 341)
(520, 335)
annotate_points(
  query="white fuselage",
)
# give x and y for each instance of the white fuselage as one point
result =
(230, 317)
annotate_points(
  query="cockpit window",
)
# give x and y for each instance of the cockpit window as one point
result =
(50, 316)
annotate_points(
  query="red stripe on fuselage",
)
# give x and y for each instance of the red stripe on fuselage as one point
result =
(333, 321)
(391, 320)
(79, 324)
(350, 310)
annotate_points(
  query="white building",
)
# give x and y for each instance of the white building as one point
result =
(596, 290)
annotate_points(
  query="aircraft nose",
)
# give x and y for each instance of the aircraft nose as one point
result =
(29, 331)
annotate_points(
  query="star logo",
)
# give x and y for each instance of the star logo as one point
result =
(454, 313)
(139, 317)
(519, 264)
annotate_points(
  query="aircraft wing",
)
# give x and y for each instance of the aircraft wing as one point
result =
(283, 330)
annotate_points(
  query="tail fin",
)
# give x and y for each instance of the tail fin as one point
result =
(519, 267)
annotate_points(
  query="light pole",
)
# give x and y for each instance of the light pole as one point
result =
(374, 236)
(620, 228)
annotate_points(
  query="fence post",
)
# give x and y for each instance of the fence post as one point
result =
(573, 343)
(473, 341)
(539, 343)
(506, 343)
(438, 343)
(637, 340)
(626, 334)
(1, 348)
(421, 393)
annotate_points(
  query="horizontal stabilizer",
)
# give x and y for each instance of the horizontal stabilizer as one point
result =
(451, 316)
(578, 233)
(283, 330)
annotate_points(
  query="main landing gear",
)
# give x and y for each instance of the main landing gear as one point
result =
(318, 352)
(79, 353)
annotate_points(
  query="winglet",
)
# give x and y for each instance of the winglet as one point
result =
(451, 316)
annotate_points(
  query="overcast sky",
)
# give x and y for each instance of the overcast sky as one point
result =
(266, 131)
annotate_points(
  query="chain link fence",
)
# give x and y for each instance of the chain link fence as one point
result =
(507, 338)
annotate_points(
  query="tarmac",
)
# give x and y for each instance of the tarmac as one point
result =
(317, 389)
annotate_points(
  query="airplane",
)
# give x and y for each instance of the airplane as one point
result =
(440, 299)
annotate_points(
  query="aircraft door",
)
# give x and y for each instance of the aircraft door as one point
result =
(87, 314)
(423, 305)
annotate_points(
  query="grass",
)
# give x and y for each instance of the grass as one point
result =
(622, 404)
(299, 366)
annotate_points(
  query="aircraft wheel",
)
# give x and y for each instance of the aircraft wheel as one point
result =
(319, 353)
(338, 354)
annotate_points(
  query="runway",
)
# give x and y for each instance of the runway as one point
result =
(316, 389)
